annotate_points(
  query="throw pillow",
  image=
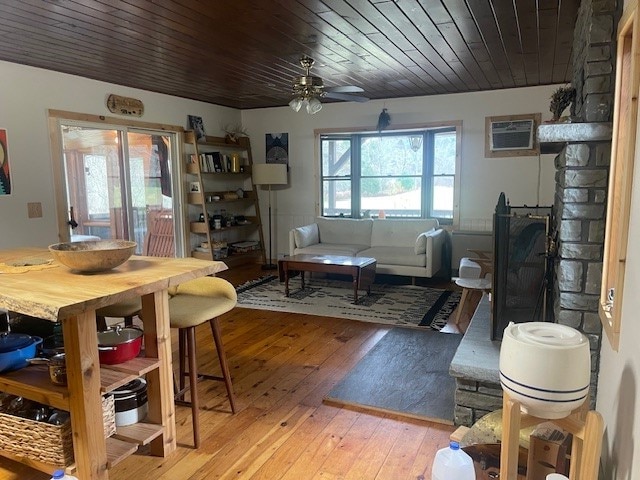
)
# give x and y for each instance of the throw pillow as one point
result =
(420, 247)
(307, 235)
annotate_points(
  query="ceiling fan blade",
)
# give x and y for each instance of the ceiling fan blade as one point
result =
(346, 97)
(346, 89)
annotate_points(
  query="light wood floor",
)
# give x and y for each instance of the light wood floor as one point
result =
(282, 366)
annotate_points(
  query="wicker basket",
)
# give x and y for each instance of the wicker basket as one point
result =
(109, 415)
(52, 444)
(40, 441)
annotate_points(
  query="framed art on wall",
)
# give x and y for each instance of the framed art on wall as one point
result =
(5, 177)
(277, 148)
(196, 124)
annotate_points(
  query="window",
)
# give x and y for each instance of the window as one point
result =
(623, 152)
(112, 177)
(403, 174)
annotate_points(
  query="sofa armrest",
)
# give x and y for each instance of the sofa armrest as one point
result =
(435, 243)
(292, 242)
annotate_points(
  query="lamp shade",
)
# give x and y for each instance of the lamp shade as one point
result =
(269, 174)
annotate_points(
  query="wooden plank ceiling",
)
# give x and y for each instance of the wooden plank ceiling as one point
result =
(244, 54)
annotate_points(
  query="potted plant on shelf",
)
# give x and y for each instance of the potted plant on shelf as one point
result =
(560, 100)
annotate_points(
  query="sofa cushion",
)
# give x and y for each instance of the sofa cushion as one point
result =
(404, 232)
(307, 235)
(343, 249)
(345, 230)
(421, 244)
(395, 256)
(468, 268)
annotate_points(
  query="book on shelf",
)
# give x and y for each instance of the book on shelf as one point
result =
(203, 163)
(216, 162)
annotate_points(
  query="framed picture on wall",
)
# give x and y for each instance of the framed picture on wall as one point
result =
(5, 177)
(196, 124)
(277, 148)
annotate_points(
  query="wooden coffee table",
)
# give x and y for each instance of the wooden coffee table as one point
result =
(361, 269)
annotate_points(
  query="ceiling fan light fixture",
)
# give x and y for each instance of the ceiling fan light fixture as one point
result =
(313, 105)
(308, 90)
(295, 104)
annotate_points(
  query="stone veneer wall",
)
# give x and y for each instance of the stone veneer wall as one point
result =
(582, 175)
(475, 399)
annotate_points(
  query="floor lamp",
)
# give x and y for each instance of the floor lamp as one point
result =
(269, 174)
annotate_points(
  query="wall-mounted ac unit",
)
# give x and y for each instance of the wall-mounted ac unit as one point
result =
(511, 135)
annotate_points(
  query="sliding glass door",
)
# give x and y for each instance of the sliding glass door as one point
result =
(118, 183)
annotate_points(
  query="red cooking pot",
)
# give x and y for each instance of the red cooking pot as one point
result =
(119, 344)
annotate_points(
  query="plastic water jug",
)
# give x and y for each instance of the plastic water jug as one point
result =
(452, 463)
(60, 475)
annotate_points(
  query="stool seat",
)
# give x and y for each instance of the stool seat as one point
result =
(125, 308)
(198, 301)
(474, 283)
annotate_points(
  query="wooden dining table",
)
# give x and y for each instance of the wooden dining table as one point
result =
(56, 293)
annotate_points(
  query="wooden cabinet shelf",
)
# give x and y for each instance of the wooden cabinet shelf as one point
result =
(234, 259)
(140, 433)
(202, 227)
(193, 169)
(199, 198)
(33, 382)
(118, 450)
(201, 158)
(114, 376)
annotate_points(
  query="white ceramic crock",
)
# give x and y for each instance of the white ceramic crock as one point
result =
(546, 367)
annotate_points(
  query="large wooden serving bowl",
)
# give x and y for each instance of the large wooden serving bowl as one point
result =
(96, 256)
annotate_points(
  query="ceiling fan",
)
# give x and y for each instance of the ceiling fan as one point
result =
(308, 90)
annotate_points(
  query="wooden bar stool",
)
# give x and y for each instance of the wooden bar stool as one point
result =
(191, 304)
(470, 285)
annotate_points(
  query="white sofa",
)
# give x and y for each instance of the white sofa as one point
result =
(411, 247)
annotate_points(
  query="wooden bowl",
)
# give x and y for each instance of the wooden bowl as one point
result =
(95, 256)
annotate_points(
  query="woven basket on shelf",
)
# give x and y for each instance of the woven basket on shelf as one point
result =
(52, 444)
(109, 415)
(40, 441)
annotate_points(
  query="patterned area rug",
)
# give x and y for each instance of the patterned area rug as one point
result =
(398, 305)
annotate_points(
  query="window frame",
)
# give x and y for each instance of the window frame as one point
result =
(355, 177)
(623, 151)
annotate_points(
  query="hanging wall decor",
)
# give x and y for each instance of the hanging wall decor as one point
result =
(277, 148)
(5, 178)
(197, 125)
(384, 120)
(125, 105)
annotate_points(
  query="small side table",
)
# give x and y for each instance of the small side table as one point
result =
(469, 285)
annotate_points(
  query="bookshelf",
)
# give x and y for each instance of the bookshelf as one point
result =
(224, 220)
